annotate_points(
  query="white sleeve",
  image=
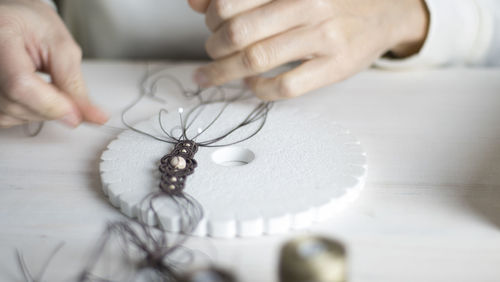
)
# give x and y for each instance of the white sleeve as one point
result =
(461, 32)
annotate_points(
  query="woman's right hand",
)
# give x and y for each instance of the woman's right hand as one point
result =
(33, 38)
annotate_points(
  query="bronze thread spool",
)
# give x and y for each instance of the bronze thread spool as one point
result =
(312, 259)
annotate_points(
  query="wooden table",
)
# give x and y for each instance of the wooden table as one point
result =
(430, 210)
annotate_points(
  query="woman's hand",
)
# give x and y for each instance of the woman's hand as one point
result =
(33, 38)
(334, 39)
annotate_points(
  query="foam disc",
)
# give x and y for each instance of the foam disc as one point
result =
(298, 169)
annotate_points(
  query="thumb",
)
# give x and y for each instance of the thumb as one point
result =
(65, 70)
(199, 5)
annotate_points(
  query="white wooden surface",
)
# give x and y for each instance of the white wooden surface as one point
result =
(430, 210)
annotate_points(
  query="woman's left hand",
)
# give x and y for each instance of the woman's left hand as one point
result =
(334, 39)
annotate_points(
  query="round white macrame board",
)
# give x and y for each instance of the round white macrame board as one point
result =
(304, 169)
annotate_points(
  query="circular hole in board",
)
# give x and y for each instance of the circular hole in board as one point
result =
(233, 156)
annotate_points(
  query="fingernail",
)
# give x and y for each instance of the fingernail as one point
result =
(102, 117)
(71, 119)
(201, 78)
(96, 115)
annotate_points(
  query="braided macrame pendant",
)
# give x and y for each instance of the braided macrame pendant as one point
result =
(177, 165)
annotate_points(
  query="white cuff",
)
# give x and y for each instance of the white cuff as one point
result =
(459, 33)
(50, 3)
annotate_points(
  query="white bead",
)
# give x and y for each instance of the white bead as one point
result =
(178, 162)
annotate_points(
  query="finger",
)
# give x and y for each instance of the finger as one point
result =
(18, 111)
(8, 121)
(199, 6)
(308, 76)
(65, 70)
(219, 11)
(44, 99)
(253, 26)
(20, 84)
(260, 57)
